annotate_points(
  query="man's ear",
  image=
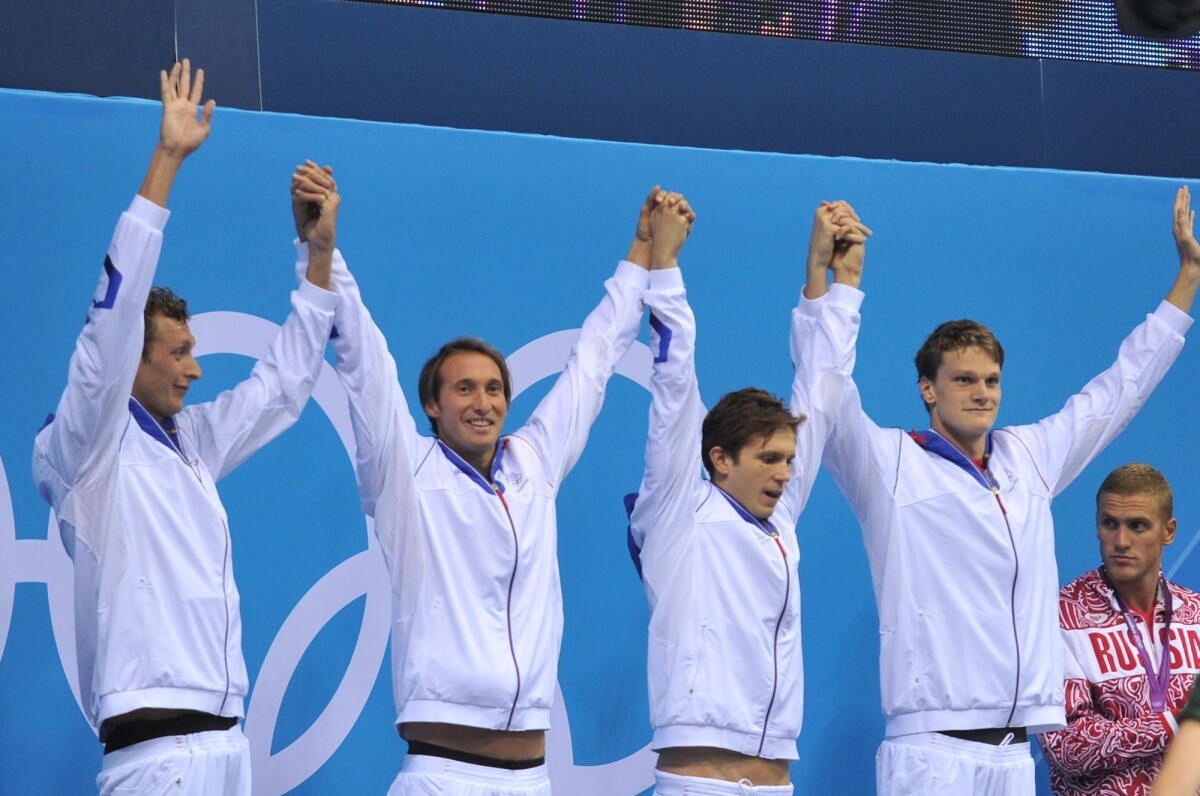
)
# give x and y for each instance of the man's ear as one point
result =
(722, 462)
(927, 393)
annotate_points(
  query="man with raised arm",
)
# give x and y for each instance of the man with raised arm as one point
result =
(960, 540)
(1132, 642)
(719, 557)
(131, 475)
(466, 521)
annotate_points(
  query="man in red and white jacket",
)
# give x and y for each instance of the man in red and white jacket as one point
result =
(1132, 646)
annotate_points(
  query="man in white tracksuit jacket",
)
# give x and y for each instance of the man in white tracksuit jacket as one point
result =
(466, 521)
(131, 475)
(960, 540)
(719, 557)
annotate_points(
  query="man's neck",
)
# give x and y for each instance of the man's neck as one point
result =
(974, 448)
(1140, 596)
(483, 464)
(764, 521)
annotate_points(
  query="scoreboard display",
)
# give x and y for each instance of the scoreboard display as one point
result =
(1080, 30)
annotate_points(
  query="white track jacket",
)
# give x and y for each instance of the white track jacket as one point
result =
(157, 621)
(725, 666)
(962, 561)
(477, 606)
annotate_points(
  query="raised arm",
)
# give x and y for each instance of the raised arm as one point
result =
(385, 434)
(825, 327)
(670, 223)
(180, 133)
(315, 203)
(667, 497)
(640, 249)
(1064, 443)
(835, 246)
(1183, 292)
(243, 419)
(558, 428)
(92, 412)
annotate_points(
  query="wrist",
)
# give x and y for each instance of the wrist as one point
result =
(320, 246)
(818, 261)
(169, 154)
(639, 253)
(848, 275)
(816, 283)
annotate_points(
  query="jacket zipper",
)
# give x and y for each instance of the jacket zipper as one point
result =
(957, 457)
(191, 464)
(512, 647)
(787, 593)
(1012, 599)
(225, 595)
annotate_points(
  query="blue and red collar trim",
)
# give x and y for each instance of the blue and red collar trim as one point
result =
(935, 443)
(492, 486)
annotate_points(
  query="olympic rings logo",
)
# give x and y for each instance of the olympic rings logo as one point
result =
(45, 560)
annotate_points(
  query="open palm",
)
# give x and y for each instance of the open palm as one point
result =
(182, 131)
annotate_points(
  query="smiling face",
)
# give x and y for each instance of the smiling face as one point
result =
(1133, 530)
(756, 475)
(167, 369)
(470, 407)
(964, 398)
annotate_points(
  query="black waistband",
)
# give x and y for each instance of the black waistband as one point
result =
(130, 732)
(992, 735)
(433, 750)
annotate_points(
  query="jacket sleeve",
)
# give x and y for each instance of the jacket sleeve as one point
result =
(387, 446)
(558, 428)
(241, 420)
(385, 433)
(1093, 744)
(823, 352)
(862, 457)
(80, 444)
(666, 501)
(1066, 442)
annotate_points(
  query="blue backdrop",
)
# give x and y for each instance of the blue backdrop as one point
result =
(509, 237)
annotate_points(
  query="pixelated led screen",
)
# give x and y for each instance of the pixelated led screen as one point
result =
(1081, 30)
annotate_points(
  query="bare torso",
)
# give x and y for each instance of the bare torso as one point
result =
(722, 764)
(498, 744)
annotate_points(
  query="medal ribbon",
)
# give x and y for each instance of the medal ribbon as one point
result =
(1158, 681)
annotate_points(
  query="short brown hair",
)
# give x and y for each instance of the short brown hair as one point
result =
(955, 336)
(430, 383)
(161, 302)
(1134, 479)
(740, 417)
